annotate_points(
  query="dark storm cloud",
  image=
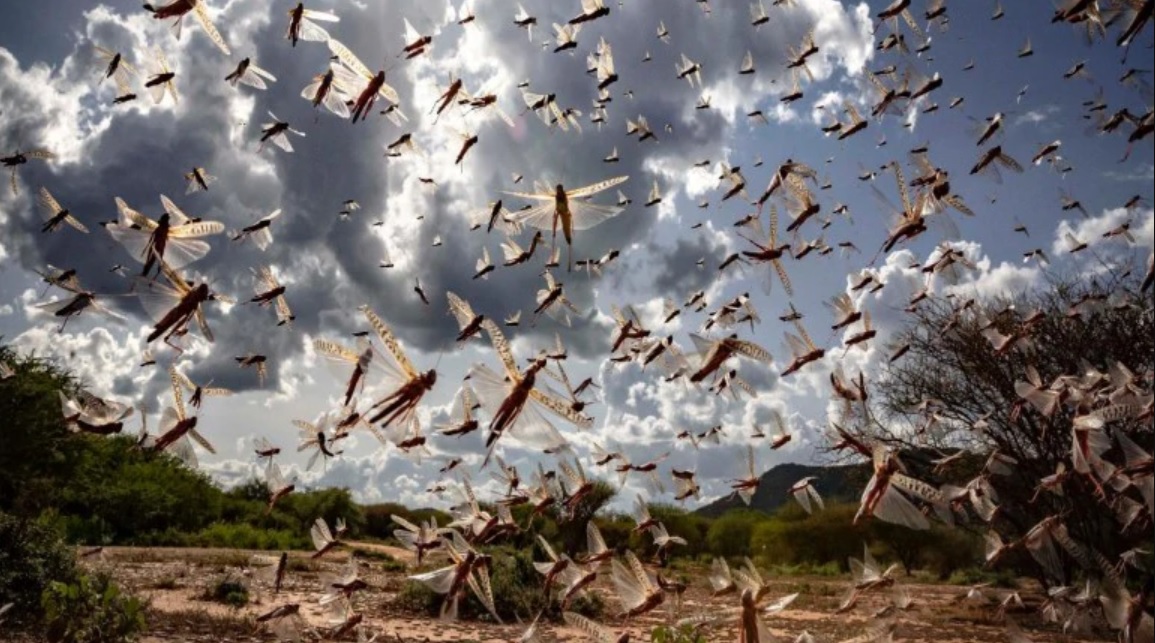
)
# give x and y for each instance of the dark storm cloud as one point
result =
(330, 266)
(141, 156)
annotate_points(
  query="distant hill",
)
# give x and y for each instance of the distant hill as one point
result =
(841, 483)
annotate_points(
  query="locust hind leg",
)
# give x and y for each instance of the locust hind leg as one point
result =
(168, 340)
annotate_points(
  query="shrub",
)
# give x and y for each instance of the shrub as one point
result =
(200, 624)
(227, 591)
(952, 550)
(958, 370)
(731, 534)
(393, 565)
(36, 451)
(303, 565)
(120, 494)
(1004, 578)
(516, 584)
(516, 593)
(615, 530)
(380, 525)
(330, 504)
(589, 605)
(673, 634)
(32, 556)
(826, 570)
(679, 522)
(824, 537)
(572, 538)
(245, 536)
(388, 563)
(91, 609)
(415, 598)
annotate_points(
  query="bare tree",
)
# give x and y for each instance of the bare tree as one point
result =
(1031, 416)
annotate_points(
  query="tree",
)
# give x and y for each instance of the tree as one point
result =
(823, 537)
(679, 522)
(35, 448)
(953, 390)
(32, 556)
(327, 504)
(379, 523)
(730, 535)
(940, 547)
(572, 530)
(119, 494)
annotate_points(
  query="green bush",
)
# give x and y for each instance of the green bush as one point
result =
(516, 593)
(1004, 578)
(227, 591)
(679, 522)
(516, 584)
(306, 506)
(769, 545)
(673, 634)
(32, 556)
(951, 549)
(731, 535)
(36, 450)
(104, 491)
(388, 563)
(91, 609)
(380, 525)
(827, 570)
(827, 536)
(589, 605)
(572, 537)
(417, 599)
(615, 530)
(123, 494)
(245, 536)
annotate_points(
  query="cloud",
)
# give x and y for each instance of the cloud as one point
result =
(1092, 230)
(1037, 116)
(330, 266)
(1140, 173)
(107, 363)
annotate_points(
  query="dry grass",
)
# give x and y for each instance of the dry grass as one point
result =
(199, 622)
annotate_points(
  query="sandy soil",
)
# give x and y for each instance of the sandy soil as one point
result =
(174, 581)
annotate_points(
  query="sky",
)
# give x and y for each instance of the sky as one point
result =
(51, 96)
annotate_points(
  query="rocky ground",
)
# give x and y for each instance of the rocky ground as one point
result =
(174, 581)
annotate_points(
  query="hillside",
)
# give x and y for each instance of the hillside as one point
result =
(842, 483)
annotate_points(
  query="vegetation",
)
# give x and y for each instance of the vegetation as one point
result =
(677, 634)
(975, 576)
(36, 451)
(1076, 326)
(517, 593)
(379, 523)
(92, 609)
(39, 576)
(227, 591)
(103, 491)
(32, 557)
(386, 562)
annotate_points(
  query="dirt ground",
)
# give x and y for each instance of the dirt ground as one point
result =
(173, 580)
